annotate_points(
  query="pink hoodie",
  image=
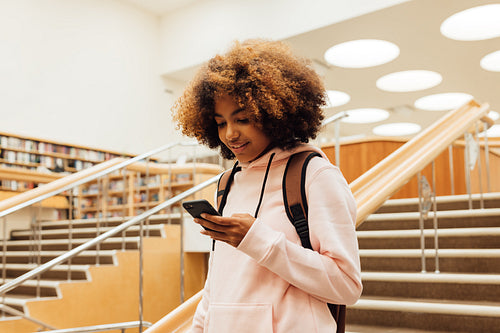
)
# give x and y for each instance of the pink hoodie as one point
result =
(270, 283)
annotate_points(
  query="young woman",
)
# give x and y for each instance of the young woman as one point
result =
(260, 104)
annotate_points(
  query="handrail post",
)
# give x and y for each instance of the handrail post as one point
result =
(434, 204)
(467, 168)
(487, 157)
(421, 223)
(479, 167)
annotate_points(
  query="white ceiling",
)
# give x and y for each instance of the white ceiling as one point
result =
(415, 27)
(160, 7)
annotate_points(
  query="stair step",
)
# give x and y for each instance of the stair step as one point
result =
(353, 328)
(450, 202)
(46, 288)
(450, 260)
(59, 273)
(16, 301)
(446, 219)
(442, 286)
(106, 257)
(114, 243)
(151, 230)
(454, 317)
(447, 238)
(173, 218)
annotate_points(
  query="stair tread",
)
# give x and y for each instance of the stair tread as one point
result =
(115, 239)
(445, 198)
(33, 283)
(350, 328)
(448, 232)
(74, 267)
(483, 309)
(76, 222)
(84, 230)
(457, 253)
(402, 216)
(57, 253)
(466, 278)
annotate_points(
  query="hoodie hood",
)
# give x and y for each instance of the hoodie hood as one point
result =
(280, 156)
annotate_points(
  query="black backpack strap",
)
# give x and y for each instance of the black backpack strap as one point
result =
(223, 186)
(294, 193)
(295, 200)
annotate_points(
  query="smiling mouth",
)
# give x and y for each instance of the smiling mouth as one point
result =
(239, 146)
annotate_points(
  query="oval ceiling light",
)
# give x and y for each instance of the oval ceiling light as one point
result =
(442, 102)
(362, 53)
(477, 23)
(412, 80)
(336, 98)
(491, 62)
(397, 129)
(365, 116)
(493, 115)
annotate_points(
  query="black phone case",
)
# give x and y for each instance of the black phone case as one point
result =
(197, 207)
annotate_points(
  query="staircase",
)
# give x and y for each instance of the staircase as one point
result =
(398, 297)
(103, 288)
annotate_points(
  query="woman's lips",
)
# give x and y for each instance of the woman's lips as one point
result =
(238, 148)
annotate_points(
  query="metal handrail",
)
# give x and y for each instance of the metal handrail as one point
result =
(334, 118)
(133, 221)
(93, 177)
(102, 328)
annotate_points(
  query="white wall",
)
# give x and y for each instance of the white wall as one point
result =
(193, 34)
(83, 72)
(90, 72)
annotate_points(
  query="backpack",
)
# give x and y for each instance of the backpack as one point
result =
(294, 197)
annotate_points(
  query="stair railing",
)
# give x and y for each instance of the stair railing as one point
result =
(69, 184)
(335, 119)
(376, 185)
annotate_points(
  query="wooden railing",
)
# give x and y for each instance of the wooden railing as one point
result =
(376, 185)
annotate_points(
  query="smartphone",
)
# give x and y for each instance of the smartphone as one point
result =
(197, 207)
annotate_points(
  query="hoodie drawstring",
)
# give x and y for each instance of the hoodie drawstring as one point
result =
(264, 184)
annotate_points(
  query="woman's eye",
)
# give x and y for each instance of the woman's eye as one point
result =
(220, 125)
(244, 121)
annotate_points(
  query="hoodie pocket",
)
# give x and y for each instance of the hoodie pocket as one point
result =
(241, 318)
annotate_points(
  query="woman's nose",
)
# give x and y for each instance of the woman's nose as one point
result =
(232, 132)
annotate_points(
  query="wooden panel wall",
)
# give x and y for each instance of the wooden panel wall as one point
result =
(358, 157)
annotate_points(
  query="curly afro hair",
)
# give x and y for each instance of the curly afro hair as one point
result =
(281, 92)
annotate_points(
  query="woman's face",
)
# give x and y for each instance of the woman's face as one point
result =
(237, 131)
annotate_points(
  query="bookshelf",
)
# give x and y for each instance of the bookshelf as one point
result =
(37, 157)
(139, 187)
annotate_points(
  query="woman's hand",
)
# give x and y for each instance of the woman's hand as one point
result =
(231, 230)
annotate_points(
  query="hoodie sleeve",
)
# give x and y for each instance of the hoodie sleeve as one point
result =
(331, 272)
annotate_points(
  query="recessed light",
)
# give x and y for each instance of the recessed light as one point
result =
(493, 132)
(365, 115)
(491, 62)
(493, 115)
(442, 102)
(477, 23)
(362, 53)
(397, 129)
(336, 98)
(411, 80)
